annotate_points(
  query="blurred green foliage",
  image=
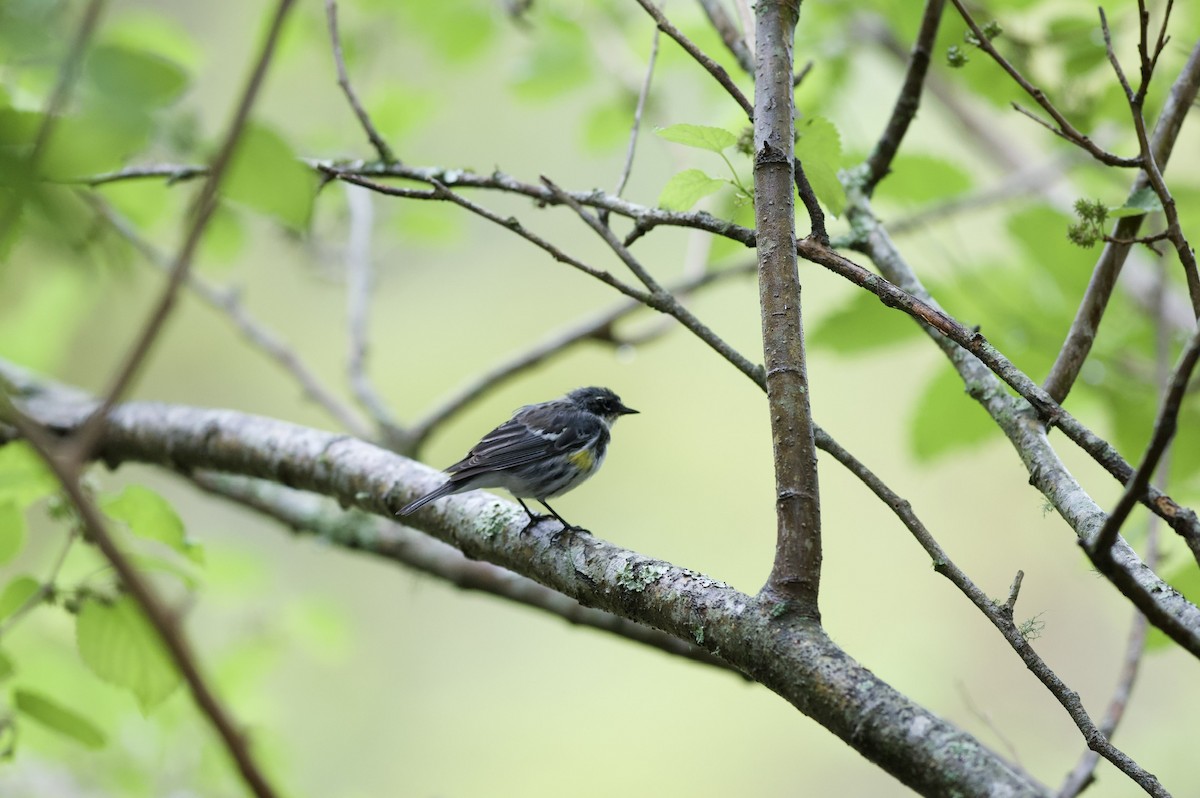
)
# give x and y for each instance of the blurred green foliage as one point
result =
(155, 87)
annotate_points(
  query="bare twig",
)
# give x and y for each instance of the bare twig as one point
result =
(905, 109)
(377, 141)
(67, 75)
(228, 302)
(637, 118)
(1000, 616)
(1135, 647)
(597, 328)
(727, 29)
(45, 590)
(716, 70)
(307, 513)
(206, 203)
(1078, 344)
(1061, 126)
(358, 305)
(802, 73)
(1187, 257)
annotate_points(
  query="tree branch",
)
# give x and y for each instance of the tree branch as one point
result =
(306, 513)
(1064, 128)
(202, 211)
(727, 29)
(796, 572)
(716, 70)
(789, 654)
(377, 141)
(1001, 616)
(880, 161)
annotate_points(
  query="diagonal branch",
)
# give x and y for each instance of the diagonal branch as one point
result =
(202, 211)
(716, 70)
(1001, 616)
(905, 110)
(228, 302)
(596, 328)
(1062, 127)
(377, 141)
(727, 29)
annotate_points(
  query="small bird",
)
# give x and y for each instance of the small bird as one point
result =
(543, 451)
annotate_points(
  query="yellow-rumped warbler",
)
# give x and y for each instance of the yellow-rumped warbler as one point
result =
(543, 451)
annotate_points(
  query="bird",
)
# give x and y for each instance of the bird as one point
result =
(543, 451)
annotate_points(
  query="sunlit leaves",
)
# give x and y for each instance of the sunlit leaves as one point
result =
(819, 150)
(121, 647)
(12, 531)
(135, 76)
(687, 188)
(16, 593)
(702, 137)
(946, 419)
(57, 717)
(923, 178)
(863, 324)
(152, 517)
(266, 175)
(24, 477)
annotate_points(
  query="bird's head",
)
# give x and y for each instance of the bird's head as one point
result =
(600, 401)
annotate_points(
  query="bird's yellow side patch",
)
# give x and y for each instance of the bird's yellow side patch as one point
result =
(583, 459)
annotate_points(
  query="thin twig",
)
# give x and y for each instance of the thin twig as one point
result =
(358, 306)
(228, 302)
(1001, 616)
(206, 203)
(67, 76)
(1064, 128)
(45, 590)
(905, 109)
(1086, 323)
(1135, 647)
(659, 298)
(1187, 256)
(727, 29)
(716, 70)
(637, 118)
(377, 141)
(598, 328)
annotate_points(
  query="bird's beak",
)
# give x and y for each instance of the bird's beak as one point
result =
(626, 411)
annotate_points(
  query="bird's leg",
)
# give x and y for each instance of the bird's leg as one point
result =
(534, 518)
(567, 526)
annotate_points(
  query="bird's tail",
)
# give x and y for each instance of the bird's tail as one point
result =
(445, 489)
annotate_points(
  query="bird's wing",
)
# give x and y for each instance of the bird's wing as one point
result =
(531, 435)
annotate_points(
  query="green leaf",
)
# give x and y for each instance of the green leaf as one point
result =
(265, 175)
(134, 76)
(24, 476)
(947, 420)
(152, 517)
(119, 645)
(57, 717)
(1140, 202)
(924, 178)
(819, 150)
(16, 593)
(702, 137)
(863, 324)
(7, 666)
(12, 531)
(686, 189)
